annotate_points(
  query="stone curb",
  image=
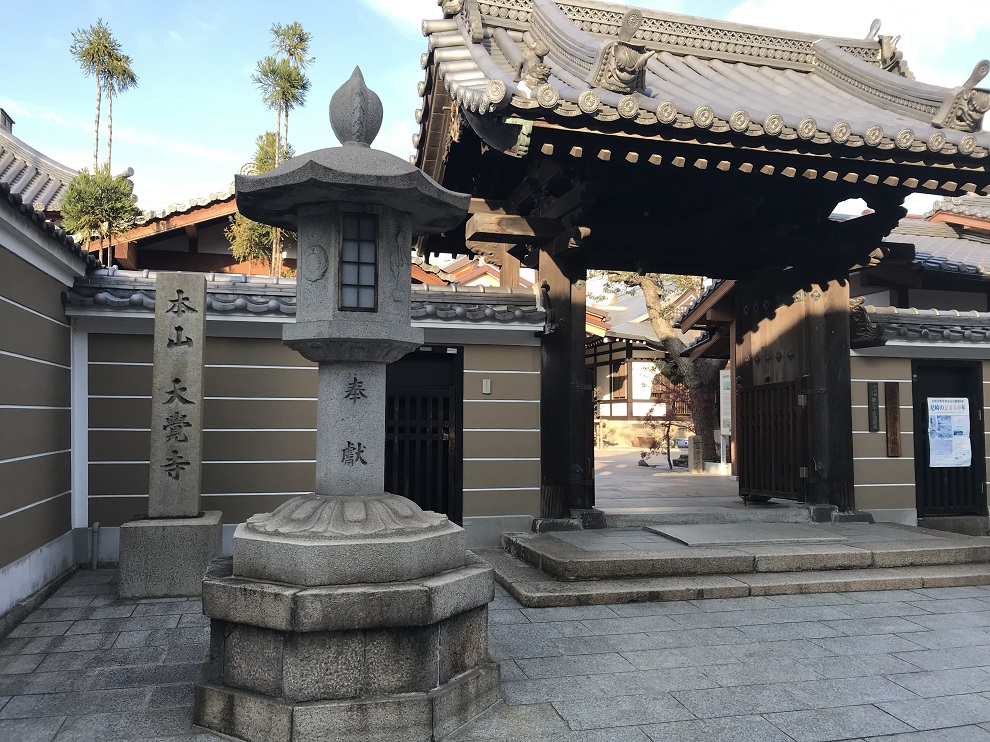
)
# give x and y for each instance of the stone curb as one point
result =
(534, 589)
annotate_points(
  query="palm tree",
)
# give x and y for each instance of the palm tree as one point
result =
(93, 47)
(118, 77)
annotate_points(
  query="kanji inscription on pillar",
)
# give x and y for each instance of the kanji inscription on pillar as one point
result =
(177, 398)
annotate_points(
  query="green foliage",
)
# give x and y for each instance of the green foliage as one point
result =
(93, 47)
(98, 205)
(250, 240)
(266, 147)
(292, 42)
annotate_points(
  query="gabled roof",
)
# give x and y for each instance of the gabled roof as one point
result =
(969, 205)
(874, 326)
(40, 181)
(699, 74)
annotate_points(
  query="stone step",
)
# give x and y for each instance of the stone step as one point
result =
(535, 589)
(771, 512)
(620, 554)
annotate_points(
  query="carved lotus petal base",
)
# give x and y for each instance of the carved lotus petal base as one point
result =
(332, 517)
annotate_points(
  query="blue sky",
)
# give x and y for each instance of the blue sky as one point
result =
(192, 121)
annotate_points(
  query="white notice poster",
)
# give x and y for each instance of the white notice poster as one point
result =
(948, 432)
(725, 400)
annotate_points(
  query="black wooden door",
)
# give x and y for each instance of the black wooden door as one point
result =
(772, 440)
(948, 490)
(424, 393)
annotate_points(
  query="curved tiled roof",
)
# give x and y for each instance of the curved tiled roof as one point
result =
(38, 180)
(705, 75)
(59, 235)
(944, 248)
(968, 205)
(194, 203)
(930, 325)
(134, 292)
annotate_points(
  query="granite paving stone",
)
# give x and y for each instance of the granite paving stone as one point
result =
(948, 659)
(964, 591)
(968, 637)
(41, 628)
(849, 691)
(888, 596)
(507, 722)
(603, 644)
(621, 711)
(635, 625)
(44, 682)
(552, 667)
(645, 682)
(739, 701)
(753, 617)
(731, 729)
(171, 696)
(929, 684)
(952, 605)
(884, 625)
(80, 702)
(882, 610)
(3, 700)
(655, 609)
(142, 676)
(510, 616)
(127, 725)
(859, 666)
(824, 725)
(107, 625)
(945, 621)
(167, 607)
(944, 711)
(547, 690)
(17, 664)
(30, 730)
(568, 613)
(808, 630)
(800, 600)
(762, 671)
(955, 734)
(868, 644)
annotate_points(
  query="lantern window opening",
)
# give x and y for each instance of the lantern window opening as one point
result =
(359, 263)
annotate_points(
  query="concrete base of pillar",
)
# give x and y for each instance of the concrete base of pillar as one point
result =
(168, 557)
(404, 661)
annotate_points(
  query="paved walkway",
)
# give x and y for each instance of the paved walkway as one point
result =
(798, 668)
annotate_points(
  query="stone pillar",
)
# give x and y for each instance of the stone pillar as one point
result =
(349, 613)
(166, 554)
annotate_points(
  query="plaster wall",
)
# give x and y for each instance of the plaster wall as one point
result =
(886, 485)
(35, 410)
(259, 437)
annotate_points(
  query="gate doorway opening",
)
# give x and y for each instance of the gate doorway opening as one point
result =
(424, 395)
(957, 490)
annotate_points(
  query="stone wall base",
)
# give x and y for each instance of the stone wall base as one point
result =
(167, 557)
(405, 717)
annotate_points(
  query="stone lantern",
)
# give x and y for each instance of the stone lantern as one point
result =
(349, 613)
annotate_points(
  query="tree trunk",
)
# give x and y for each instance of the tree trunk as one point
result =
(109, 126)
(96, 126)
(700, 377)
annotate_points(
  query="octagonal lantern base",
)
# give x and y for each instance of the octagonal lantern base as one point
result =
(405, 661)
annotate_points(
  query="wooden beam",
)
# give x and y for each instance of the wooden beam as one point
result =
(179, 221)
(511, 229)
(488, 206)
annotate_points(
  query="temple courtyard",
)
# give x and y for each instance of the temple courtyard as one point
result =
(902, 664)
(908, 664)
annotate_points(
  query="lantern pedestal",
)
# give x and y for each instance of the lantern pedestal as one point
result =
(349, 613)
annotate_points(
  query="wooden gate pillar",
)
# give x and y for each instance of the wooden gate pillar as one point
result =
(566, 434)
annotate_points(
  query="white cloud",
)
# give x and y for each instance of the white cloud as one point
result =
(935, 46)
(407, 14)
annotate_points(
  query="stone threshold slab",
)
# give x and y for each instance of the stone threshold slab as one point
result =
(534, 589)
(743, 534)
(561, 559)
